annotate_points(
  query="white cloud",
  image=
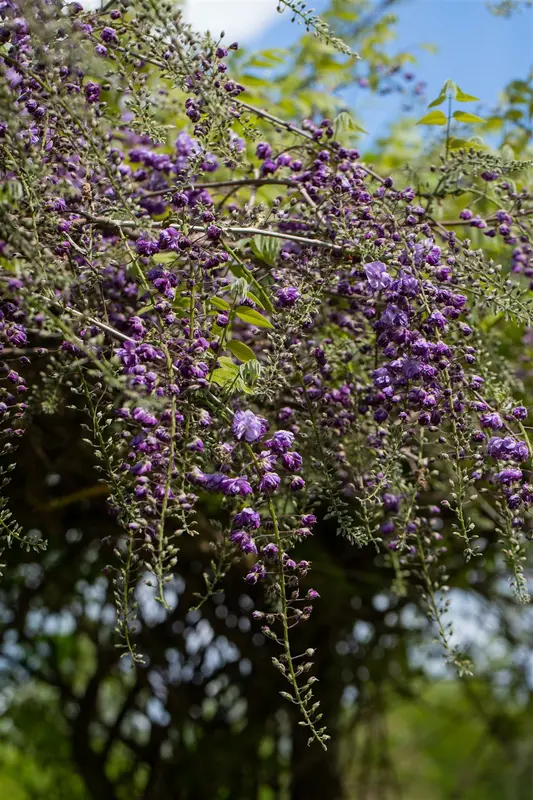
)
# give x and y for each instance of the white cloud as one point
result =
(241, 20)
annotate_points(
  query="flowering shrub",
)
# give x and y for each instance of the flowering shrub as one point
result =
(252, 319)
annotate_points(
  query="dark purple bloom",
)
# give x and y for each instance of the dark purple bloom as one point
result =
(109, 35)
(235, 486)
(92, 92)
(492, 420)
(263, 150)
(247, 518)
(145, 247)
(292, 461)
(509, 475)
(244, 541)
(391, 502)
(285, 298)
(281, 441)
(269, 482)
(297, 484)
(144, 417)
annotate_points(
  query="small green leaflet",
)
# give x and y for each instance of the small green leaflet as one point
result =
(266, 248)
(450, 89)
(253, 317)
(438, 100)
(241, 350)
(219, 303)
(227, 372)
(463, 97)
(229, 375)
(464, 116)
(456, 144)
(433, 118)
(345, 122)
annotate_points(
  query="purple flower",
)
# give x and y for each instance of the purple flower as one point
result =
(109, 35)
(263, 150)
(235, 486)
(437, 319)
(377, 275)
(391, 502)
(292, 461)
(144, 417)
(269, 550)
(381, 377)
(248, 426)
(145, 247)
(186, 145)
(13, 77)
(297, 484)
(519, 412)
(393, 317)
(492, 420)
(308, 520)
(281, 441)
(244, 541)
(502, 448)
(92, 92)
(521, 452)
(247, 518)
(17, 335)
(285, 298)
(258, 572)
(269, 482)
(509, 475)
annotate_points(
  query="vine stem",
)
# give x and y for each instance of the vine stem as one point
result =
(448, 125)
(118, 489)
(284, 610)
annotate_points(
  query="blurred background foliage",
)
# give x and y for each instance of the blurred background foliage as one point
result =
(199, 721)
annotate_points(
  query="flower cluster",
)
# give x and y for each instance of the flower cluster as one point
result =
(259, 364)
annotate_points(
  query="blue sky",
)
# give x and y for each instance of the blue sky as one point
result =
(478, 50)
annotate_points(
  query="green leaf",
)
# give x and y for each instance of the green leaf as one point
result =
(145, 310)
(463, 97)
(438, 100)
(433, 118)
(253, 317)
(345, 122)
(241, 350)
(238, 270)
(266, 248)
(278, 55)
(464, 116)
(514, 114)
(467, 144)
(449, 89)
(254, 81)
(219, 303)
(226, 373)
(227, 363)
